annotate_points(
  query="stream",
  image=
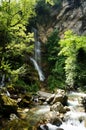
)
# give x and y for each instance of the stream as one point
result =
(75, 119)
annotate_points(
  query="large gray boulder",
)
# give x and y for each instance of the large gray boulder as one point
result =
(59, 96)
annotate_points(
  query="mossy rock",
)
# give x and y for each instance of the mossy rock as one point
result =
(26, 101)
(7, 105)
(18, 125)
(5, 100)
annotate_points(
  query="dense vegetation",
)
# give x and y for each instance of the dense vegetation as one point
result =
(56, 71)
(66, 57)
(15, 41)
(73, 47)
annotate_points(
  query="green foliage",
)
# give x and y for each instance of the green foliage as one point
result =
(56, 73)
(52, 48)
(70, 46)
(55, 82)
(42, 7)
(42, 10)
(21, 85)
(53, 2)
(81, 68)
(15, 41)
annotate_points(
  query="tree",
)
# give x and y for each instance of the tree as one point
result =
(15, 41)
(56, 75)
(70, 47)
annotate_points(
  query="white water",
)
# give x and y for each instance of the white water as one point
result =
(8, 94)
(37, 67)
(43, 109)
(68, 126)
(77, 94)
(37, 57)
(74, 119)
(38, 52)
(2, 81)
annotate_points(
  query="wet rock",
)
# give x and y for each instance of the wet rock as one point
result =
(18, 124)
(53, 118)
(26, 101)
(13, 116)
(7, 105)
(84, 102)
(60, 129)
(44, 95)
(59, 96)
(56, 121)
(67, 108)
(58, 107)
(50, 99)
(22, 113)
(43, 127)
(85, 122)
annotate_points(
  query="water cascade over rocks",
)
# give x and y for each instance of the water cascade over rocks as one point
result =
(75, 119)
(66, 113)
(37, 56)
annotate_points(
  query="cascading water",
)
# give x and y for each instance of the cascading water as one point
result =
(75, 119)
(38, 52)
(37, 58)
(37, 67)
(2, 81)
(2, 84)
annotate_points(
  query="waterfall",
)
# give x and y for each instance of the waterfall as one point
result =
(2, 81)
(37, 67)
(38, 52)
(2, 84)
(37, 56)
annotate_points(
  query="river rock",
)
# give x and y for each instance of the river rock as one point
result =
(53, 118)
(48, 126)
(45, 95)
(59, 96)
(7, 105)
(56, 121)
(58, 107)
(13, 116)
(22, 113)
(26, 101)
(84, 102)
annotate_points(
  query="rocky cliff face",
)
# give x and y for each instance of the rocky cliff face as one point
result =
(71, 15)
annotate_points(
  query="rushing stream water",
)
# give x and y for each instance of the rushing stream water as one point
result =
(74, 119)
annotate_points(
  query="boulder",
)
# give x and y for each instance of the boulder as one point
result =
(58, 107)
(84, 102)
(26, 101)
(7, 105)
(59, 96)
(53, 118)
(22, 113)
(56, 121)
(48, 126)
